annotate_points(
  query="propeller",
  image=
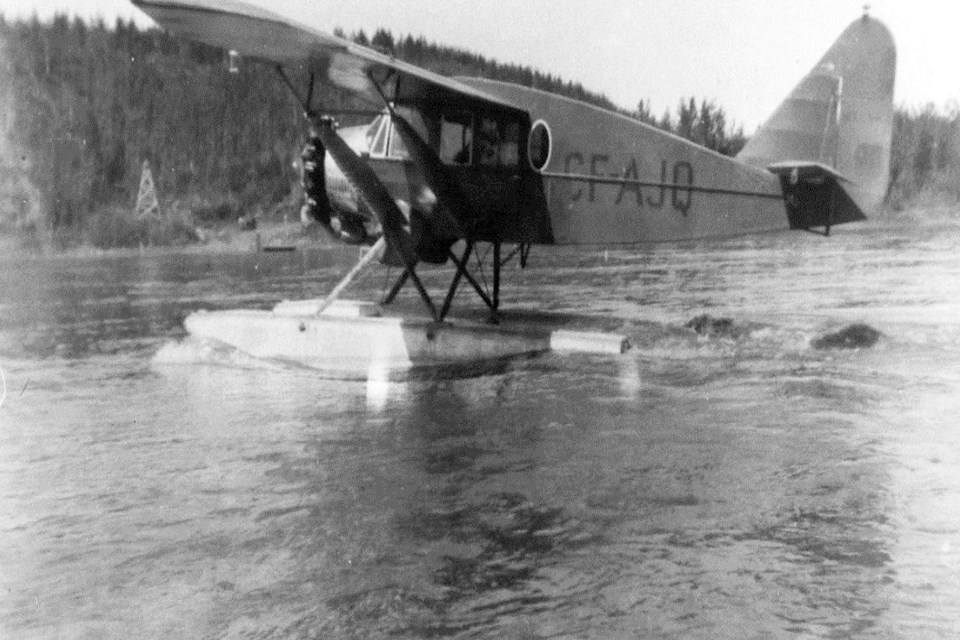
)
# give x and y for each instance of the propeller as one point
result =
(373, 194)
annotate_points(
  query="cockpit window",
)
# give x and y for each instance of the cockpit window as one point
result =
(372, 130)
(378, 148)
(398, 148)
(456, 138)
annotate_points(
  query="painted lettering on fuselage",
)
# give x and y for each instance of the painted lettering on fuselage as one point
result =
(677, 179)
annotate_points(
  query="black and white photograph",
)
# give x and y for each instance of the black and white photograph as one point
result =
(407, 319)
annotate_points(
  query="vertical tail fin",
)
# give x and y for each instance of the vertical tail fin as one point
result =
(840, 115)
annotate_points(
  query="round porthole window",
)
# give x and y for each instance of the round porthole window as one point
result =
(539, 145)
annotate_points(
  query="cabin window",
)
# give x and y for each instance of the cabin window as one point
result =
(498, 142)
(456, 138)
(539, 145)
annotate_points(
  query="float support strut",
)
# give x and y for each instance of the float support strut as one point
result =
(462, 266)
(395, 289)
(461, 269)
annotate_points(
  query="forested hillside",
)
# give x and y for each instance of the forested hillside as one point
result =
(86, 105)
(83, 105)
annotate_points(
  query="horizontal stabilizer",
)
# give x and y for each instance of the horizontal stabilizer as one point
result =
(815, 195)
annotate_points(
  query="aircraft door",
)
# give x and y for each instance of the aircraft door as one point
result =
(495, 179)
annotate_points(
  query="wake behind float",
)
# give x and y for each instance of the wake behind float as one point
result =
(352, 340)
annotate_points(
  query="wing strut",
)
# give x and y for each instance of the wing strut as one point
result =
(397, 246)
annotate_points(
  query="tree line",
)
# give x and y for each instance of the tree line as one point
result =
(82, 105)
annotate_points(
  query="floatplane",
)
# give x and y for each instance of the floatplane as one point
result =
(450, 164)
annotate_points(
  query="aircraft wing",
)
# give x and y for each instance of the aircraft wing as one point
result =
(255, 32)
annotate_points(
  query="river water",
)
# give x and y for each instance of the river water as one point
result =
(734, 484)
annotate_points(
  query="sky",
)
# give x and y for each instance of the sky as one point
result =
(746, 55)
